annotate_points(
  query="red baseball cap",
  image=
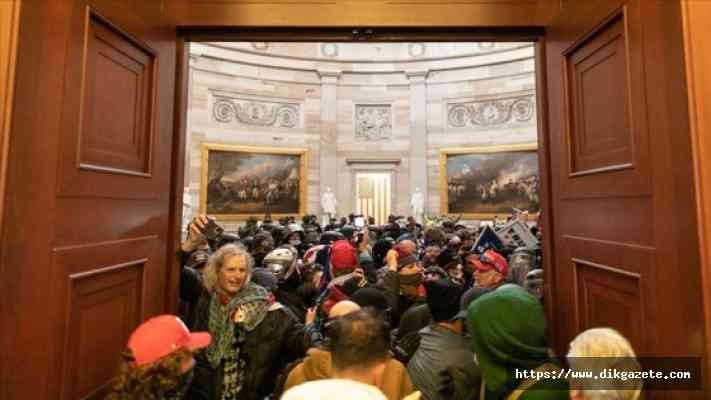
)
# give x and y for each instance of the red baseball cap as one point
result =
(162, 335)
(490, 260)
(343, 256)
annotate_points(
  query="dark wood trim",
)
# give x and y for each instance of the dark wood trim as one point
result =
(546, 195)
(351, 161)
(361, 34)
(182, 72)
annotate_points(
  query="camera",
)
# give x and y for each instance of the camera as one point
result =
(215, 235)
(212, 230)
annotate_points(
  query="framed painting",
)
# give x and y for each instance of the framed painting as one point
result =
(485, 182)
(241, 181)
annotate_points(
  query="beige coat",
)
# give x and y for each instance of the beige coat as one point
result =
(395, 384)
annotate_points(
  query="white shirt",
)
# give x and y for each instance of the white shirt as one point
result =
(334, 389)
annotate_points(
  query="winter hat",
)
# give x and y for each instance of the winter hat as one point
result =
(507, 328)
(265, 278)
(380, 249)
(443, 299)
(445, 257)
(343, 258)
(405, 256)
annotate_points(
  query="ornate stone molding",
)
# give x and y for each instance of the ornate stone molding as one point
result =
(260, 46)
(255, 112)
(328, 75)
(486, 46)
(373, 122)
(491, 112)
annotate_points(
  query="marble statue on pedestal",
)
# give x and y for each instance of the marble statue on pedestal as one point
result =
(417, 205)
(328, 203)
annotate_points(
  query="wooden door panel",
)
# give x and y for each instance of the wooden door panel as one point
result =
(100, 291)
(605, 130)
(117, 132)
(596, 85)
(110, 123)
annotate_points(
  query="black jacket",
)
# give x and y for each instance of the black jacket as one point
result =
(279, 339)
(399, 303)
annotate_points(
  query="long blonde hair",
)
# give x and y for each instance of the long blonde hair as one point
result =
(608, 345)
(217, 260)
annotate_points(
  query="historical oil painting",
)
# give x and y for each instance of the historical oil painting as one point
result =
(485, 182)
(239, 182)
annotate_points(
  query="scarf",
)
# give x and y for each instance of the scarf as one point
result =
(250, 304)
(503, 340)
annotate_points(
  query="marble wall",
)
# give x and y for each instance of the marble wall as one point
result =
(378, 108)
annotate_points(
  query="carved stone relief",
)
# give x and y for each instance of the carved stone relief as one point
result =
(329, 49)
(486, 46)
(486, 113)
(373, 122)
(253, 112)
(416, 49)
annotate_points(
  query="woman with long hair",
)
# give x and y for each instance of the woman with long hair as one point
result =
(254, 337)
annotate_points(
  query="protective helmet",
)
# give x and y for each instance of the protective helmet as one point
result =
(295, 228)
(534, 283)
(281, 262)
(329, 237)
(348, 231)
(522, 255)
(279, 233)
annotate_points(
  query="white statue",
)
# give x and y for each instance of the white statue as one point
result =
(417, 205)
(328, 202)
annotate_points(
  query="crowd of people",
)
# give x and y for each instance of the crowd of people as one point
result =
(292, 310)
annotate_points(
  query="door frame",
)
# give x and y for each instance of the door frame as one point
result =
(536, 35)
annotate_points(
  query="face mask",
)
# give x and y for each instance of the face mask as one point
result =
(295, 242)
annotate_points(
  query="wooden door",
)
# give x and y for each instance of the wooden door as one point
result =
(624, 233)
(86, 226)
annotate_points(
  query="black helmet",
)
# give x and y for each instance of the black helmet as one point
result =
(348, 231)
(329, 237)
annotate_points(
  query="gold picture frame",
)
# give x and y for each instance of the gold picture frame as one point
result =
(217, 208)
(444, 179)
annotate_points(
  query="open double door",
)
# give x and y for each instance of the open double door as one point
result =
(94, 171)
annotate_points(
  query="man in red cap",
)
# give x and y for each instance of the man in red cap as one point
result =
(403, 280)
(490, 269)
(159, 361)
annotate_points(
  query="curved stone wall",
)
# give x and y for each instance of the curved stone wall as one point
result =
(352, 101)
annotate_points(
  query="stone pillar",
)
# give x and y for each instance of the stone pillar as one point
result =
(418, 135)
(328, 160)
